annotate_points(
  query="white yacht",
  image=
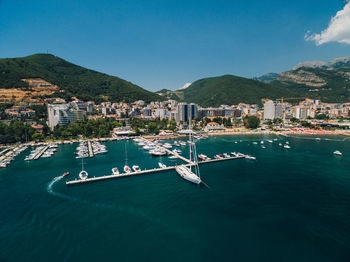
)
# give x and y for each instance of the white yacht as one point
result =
(186, 172)
(338, 153)
(167, 145)
(161, 165)
(158, 152)
(83, 174)
(136, 168)
(115, 171)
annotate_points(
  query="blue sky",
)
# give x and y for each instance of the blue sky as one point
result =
(164, 44)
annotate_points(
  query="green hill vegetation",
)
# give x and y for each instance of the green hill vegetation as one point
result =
(325, 84)
(75, 80)
(229, 89)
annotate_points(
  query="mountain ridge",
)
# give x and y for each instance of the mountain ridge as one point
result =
(75, 80)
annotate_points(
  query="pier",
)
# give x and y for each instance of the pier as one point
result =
(38, 155)
(177, 155)
(91, 152)
(148, 171)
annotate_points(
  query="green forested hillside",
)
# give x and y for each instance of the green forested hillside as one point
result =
(229, 89)
(74, 80)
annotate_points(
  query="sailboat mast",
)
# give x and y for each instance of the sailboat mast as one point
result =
(190, 139)
(126, 155)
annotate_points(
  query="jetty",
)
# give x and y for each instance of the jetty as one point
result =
(177, 155)
(40, 153)
(148, 171)
(91, 152)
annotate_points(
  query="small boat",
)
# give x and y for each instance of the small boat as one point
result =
(226, 155)
(236, 142)
(338, 153)
(280, 144)
(136, 168)
(218, 156)
(202, 157)
(167, 145)
(270, 141)
(263, 146)
(161, 165)
(262, 142)
(127, 169)
(173, 157)
(65, 174)
(158, 152)
(255, 143)
(318, 139)
(287, 146)
(115, 171)
(250, 157)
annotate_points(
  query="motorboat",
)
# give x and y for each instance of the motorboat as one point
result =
(158, 152)
(287, 146)
(127, 169)
(161, 165)
(167, 145)
(65, 174)
(250, 157)
(115, 171)
(226, 155)
(338, 153)
(136, 168)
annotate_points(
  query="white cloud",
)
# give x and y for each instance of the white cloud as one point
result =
(185, 86)
(338, 29)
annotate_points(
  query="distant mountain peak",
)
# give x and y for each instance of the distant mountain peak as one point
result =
(267, 78)
(335, 63)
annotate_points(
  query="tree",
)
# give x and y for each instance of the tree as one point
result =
(251, 122)
(38, 137)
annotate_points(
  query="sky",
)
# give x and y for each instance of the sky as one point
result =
(160, 44)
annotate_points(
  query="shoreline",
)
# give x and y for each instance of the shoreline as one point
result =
(212, 134)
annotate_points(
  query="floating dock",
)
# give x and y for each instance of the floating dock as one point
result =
(91, 152)
(94, 179)
(38, 155)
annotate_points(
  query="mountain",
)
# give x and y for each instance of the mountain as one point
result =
(328, 81)
(229, 89)
(267, 78)
(75, 80)
(342, 63)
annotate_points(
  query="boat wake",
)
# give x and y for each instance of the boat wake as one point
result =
(50, 190)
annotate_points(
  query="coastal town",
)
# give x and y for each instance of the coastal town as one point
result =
(50, 119)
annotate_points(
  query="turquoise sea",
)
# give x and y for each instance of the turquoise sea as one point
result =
(288, 205)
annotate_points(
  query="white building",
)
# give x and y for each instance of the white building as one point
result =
(272, 110)
(59, 114)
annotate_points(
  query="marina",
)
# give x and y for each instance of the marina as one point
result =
(147, 171)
